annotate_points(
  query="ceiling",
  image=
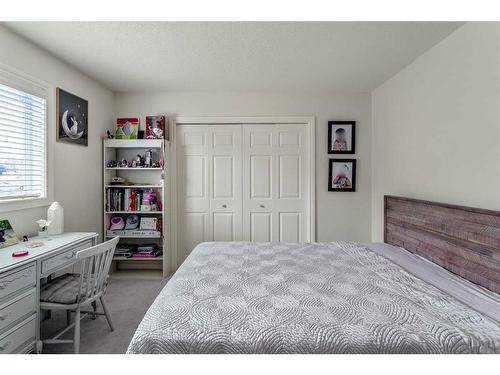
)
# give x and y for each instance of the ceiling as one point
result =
(235, 56)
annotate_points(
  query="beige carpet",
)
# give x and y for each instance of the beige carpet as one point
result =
(129, 295)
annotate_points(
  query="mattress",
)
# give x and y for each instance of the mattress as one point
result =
(341, 297)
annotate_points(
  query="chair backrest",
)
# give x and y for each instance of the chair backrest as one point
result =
(95, 265)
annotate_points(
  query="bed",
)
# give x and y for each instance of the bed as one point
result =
(432, 287)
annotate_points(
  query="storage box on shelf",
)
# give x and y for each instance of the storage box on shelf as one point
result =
(142, 192)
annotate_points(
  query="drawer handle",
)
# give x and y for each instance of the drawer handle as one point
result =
(5, 346)
(71, 255)
(224, 206)
(262, 206)
(3, 317)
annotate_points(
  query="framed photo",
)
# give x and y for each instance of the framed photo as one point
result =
(342, 175)
(127, 128)
(155, 127)
(341, 137)
(72, 118)
(7, 235)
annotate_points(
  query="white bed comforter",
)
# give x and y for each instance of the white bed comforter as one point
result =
(341, 297)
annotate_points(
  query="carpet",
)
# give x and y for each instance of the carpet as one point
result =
(128, 297)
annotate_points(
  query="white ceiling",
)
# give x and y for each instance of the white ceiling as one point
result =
(254, 56)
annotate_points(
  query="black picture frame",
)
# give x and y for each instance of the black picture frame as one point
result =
(72, 118)
(350, 127)
(351, 163)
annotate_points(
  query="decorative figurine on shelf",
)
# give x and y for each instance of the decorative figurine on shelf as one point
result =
(123, 163)
(110, 136)
(138, 161)
(156, 164)
(148, 159)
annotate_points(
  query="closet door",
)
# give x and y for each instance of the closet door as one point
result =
(275, 183)
(209, 185)
(193, 205)
(225, 182)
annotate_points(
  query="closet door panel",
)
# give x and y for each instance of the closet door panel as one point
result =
(224, 226)
(261, 176)
(194, 231)
(225, 182)
(290, 227)
(193, 187)
(223, 177)
(259, 169)
(275, 180)
(261, 227)
(194, 176)
(289, 176)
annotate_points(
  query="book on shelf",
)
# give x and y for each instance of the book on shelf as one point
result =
(129, 200)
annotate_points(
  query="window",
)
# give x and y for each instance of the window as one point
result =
(23, 159)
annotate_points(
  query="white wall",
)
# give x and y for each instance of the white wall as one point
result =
(436, 125)
(77, 169)
(340, 216)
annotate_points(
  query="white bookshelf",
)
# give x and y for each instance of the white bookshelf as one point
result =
(139, 178)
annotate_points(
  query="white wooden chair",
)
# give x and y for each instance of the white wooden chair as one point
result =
(72, 292)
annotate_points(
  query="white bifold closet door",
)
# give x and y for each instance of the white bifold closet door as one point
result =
(209, 165)
(242, 182)
(275, 183)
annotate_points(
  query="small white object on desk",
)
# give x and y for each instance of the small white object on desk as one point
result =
(55, 217)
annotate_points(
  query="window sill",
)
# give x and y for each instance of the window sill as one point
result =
(23, 204)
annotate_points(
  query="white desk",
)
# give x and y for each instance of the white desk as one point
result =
(20, 286)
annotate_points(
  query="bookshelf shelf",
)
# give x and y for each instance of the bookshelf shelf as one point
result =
(145, 237)
(135, 212)
(133, 186)
(114, 149)
(123, 259)
(134, 143)
(134, 169)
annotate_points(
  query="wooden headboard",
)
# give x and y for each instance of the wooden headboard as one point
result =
(464, 240)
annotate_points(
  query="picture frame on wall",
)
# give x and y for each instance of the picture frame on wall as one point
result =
(342, 175)
(72, 118)
(341, 137)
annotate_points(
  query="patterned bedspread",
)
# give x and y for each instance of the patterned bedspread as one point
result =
(240, 297)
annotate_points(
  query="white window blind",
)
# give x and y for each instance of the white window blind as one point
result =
(22, 144)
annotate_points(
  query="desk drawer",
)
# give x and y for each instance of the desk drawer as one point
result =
(18, 280)
(19, 338)
(65, 258)
(17, 309)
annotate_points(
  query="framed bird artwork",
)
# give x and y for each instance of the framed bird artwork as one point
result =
(72, 118)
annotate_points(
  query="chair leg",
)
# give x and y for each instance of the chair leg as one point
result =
(77, 331)
(106, 312)
(94, 307)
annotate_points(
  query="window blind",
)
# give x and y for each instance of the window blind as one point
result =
(22, 144)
